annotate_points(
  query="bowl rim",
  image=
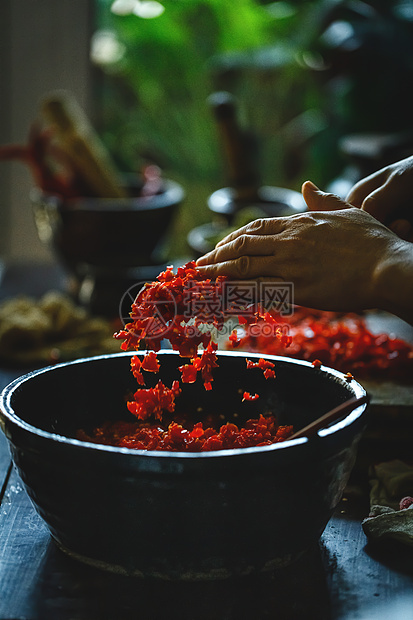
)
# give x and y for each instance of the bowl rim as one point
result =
(7, 411)
(222, 201)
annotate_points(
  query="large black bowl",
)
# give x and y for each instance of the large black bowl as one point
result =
(181, 515)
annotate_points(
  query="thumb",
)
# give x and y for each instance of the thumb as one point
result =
(318, 200)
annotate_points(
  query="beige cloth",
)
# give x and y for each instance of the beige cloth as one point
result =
(390, 482)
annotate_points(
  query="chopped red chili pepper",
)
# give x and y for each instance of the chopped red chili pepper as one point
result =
(203, 364)
(248, 396)
(153, 401)
(208, 362)
(189, 373)
(233, 338)
(136, 366)
(141, 436)
(340, 341)
(269, 373)
(150, 362)
(326, 338)
(161, 311)
(264, 365)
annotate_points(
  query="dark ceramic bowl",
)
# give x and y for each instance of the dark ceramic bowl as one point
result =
(105, 244)
(181, 515)
(273, 201)
(106, 232)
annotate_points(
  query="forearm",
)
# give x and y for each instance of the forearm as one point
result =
(393, 282)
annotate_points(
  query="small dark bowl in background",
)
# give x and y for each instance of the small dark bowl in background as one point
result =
(177, 515)
(229, 213)
(273, 201)
(105, 244)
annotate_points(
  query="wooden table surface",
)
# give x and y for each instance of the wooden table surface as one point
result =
(342, 577)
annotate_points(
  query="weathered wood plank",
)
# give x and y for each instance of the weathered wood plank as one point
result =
(364, 582)
(23, 542)
(5, 378)
(4, 464)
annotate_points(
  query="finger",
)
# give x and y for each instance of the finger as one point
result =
(366, 186)
(233, 235)
(262, 226)
(386, 202)
(379, 203)
(317, 200)
(251, 245)
(243, 268)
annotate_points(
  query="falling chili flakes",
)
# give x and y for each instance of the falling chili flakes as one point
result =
(153, 401)
(149, 363)
(233, 339)
(203, 364)
(136, 365)
(160, 311)
(269, 373)
(264, 365)
(250, 397)
(166, 297)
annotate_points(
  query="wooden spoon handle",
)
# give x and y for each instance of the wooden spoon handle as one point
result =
(331, 416)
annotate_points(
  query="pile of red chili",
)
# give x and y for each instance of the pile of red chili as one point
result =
(343, 342)
(175, 437)
(174, 308)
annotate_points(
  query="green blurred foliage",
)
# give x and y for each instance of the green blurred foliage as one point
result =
(305, 73)
(155, 96)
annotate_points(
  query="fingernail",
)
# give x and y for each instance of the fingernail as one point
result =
(312, 185)
(203, 260)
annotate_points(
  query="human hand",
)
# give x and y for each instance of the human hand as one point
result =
(388, 196)
(333, 258)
